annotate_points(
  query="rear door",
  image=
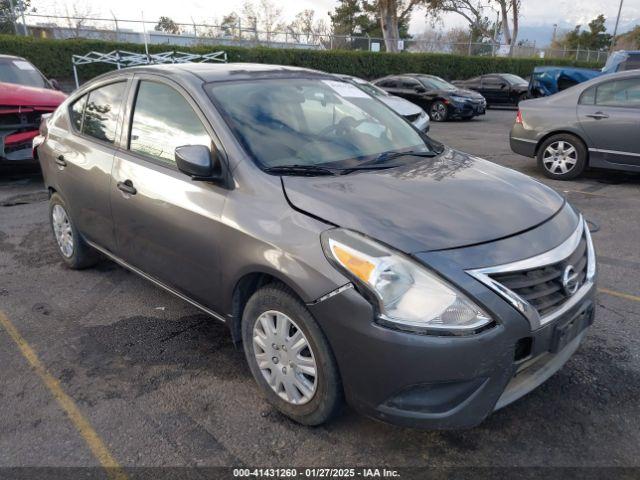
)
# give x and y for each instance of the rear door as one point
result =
(83, 153)
(609, 113)
(166, 224)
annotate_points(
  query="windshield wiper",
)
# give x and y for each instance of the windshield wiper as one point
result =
(309, 170)
(383, 157)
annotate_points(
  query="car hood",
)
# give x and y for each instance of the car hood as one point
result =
(401, 106)
(12, 94)
(448, 201)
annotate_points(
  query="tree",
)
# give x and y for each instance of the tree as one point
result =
(262, 16)
(474, 12)
(306, 25)
(166, 24)
(230, 25)
(7, 16)
(629, 40)
(364, 18)
(595, 38)
(391, 14)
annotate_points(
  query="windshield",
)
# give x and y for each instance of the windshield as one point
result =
(514, 79)
(436, 83)
(311, 122)
(21, 72)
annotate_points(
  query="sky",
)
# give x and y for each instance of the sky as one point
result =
(537, 15)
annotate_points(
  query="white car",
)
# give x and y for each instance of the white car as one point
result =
(412, 112)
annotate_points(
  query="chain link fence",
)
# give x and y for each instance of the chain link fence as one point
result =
(238, 34)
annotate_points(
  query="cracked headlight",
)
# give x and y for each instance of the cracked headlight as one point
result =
(406, 294)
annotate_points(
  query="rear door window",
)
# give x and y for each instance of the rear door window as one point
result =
(163, 120)
(102, 110)
(619, 93)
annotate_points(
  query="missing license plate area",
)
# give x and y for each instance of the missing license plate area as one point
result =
(564, 333)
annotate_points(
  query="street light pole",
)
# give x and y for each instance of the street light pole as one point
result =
(615, 29)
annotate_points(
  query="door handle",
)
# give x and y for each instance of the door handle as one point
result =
(60, 161)
(598, 115)
(127, 187)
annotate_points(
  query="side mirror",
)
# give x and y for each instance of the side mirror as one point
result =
(55, 84)
(503, 86)
(198, 162)
(420, 89)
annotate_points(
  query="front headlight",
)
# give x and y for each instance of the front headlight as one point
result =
(405, 293)
(455, 98)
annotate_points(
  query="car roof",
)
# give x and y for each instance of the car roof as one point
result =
(217, 72)
(10, 57)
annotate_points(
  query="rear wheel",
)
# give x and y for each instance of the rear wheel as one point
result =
(438, 111)
(289, 356)
(73, 250)
(562, 157)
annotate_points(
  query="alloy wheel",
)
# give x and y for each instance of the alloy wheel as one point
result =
(285, 357)
(438, 111)
(62, 230)
(560, 157)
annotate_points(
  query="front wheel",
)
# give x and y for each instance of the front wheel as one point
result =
(289, 356)
(562, 157)
(438, 111)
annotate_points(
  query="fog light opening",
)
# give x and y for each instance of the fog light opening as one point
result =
(523, 349)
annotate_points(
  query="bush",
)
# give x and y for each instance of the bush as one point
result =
(53, 57)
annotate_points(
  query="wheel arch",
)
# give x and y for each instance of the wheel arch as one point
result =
(578, 135)
(244, 288)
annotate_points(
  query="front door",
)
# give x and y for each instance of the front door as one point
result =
(494, 89)
(609, 113)
(166, 224)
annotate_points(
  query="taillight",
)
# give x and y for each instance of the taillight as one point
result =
(519, 117)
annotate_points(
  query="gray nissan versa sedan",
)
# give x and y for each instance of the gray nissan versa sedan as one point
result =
(353, 257)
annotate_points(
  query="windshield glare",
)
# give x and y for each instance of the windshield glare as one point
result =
(372, 89)
(302, 121)
(436, 83)
(21, 72)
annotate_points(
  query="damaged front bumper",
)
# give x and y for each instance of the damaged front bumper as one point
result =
(18, 127)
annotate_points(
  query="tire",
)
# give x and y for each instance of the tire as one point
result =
(72, 248)
(438, 111)
(569, 159)
(260, 313)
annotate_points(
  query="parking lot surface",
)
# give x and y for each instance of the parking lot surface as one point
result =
(159, 383)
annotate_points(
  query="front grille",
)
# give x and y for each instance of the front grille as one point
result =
(543, 286)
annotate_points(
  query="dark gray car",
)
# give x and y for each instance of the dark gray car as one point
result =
(593, 124)
(350, 255)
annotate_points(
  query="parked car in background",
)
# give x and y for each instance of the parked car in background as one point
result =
(25, 95)
(352, 256)
(497, 88)
(622, 60)
(593, 124)
(547, 80)
(410, 111)
(441, 100)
